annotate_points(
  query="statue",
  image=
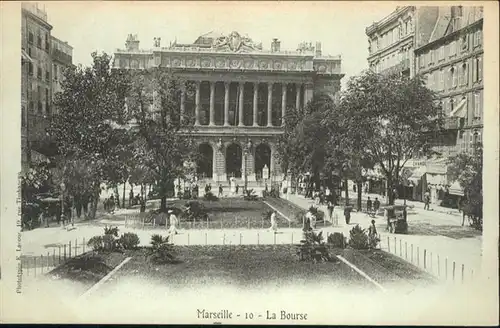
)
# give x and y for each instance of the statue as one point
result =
(235, 42)
(157, 42)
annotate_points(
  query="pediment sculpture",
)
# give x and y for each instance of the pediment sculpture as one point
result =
(235, 42)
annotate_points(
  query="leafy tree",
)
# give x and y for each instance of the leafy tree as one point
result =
(162, 138)
(467, 169)
(302, 144)
(392, 118)
(88, 145)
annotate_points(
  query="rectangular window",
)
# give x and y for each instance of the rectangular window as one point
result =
(47, 42)
(40, 107)
(441, 80)
(30, 69)
(46, 94)
(479, 68)
(477, 105)
(39, 41)
(32, 106)
(29, 51)
(30, 38)
(55, 72)
(47, 108)
(465, 45)
(39, 73)
(441, 53)
(47, 75)
(38, 92)
(431, 57)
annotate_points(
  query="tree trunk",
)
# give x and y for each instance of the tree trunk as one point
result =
(123, 202)
(390, 194)
(163, 204)
(117, 196)
(360, 194)
(346, 192)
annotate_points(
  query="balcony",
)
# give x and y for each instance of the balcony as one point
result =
(62, 57)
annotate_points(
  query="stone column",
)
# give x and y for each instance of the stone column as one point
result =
(212, 103)
(215, 172)
(283, 103)
(197, 104)
(240, 106)
(297, 96)
(183, 101)
(226, 103)
(308, 93)
(269, 104)
(255, 99)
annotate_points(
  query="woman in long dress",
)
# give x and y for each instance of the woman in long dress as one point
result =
(173, 224)
(274, 223)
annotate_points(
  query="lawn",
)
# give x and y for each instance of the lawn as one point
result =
(247, 266)
(231, 213)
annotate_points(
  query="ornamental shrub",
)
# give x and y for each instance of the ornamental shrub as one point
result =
(358, 238)
(112, 231)
(337, 240)
(161, 251)
(96, 243)
(209, 196)
(129, 240)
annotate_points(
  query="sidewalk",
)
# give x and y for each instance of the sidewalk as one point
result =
(440, 250)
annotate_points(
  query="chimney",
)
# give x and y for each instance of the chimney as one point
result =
(275, 45)
(318, 49)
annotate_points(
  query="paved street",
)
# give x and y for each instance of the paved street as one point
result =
(465, 251)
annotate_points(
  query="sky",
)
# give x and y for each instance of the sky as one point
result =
(104, 26)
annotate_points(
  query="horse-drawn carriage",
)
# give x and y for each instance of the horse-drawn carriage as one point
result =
(39, 210)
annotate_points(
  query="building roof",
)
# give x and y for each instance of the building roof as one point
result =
(441, 28)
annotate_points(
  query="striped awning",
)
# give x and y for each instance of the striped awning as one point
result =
(456, 189)
(25, 56)
(460, 111)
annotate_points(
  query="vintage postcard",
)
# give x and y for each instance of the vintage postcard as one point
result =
(281, 162)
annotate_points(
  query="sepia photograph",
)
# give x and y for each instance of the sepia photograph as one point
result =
(250, 163)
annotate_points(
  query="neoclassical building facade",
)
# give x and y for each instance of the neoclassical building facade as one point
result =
(242, 93)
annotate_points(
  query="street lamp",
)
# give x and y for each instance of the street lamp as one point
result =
(246, 152)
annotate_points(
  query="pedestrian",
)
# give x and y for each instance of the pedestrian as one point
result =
(327, 193)
(112, 204)
(395, 193)
(427, 200)
(354, 187)
(274, 223)
(369, 206)
(376, 205)
(237, 188)
(330, 207)
(130, 198)
(306, 224)
(207, 189)
(173, 224)
(373, 235)
(347, 214)
(220, 190)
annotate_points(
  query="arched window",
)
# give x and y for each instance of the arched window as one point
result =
(453, 73)
(463, 75)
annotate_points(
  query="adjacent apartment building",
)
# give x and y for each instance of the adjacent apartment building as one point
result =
(446, 49)
(37, 78)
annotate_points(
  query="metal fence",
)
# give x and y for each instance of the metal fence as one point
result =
(436, 264)
(38, 265)
(143, 222)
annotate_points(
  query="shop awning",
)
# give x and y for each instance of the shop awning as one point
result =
(456, 189)
(460, 111)
(416, 175)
